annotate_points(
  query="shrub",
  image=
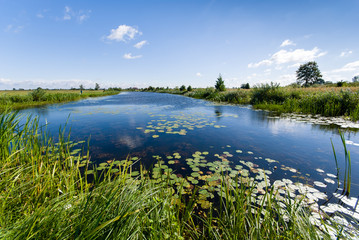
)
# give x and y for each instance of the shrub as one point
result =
(37, 94)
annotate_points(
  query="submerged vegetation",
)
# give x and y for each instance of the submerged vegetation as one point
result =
(49, 189)
(21, 99)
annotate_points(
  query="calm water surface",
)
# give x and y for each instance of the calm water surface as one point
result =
(142, 125)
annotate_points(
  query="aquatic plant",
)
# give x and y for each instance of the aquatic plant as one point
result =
(50, 190)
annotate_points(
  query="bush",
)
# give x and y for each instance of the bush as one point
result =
(37, 94)
(268, 93)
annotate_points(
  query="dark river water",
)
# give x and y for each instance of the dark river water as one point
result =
(143, 125)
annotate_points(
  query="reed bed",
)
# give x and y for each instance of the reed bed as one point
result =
(38, 97)
(45, 193)
(326, 101)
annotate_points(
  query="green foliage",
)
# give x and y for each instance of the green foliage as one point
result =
(182, 88)
(268, 93)
(38, 94)
(189, 88)
(341, 84)
(245, 86)
(220, 84)
(355, 78)
(97, 86)
(308, 74)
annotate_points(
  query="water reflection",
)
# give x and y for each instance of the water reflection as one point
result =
(218, 112)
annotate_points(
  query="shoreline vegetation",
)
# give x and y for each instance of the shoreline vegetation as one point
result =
(327, 101)
(50, 190)
(20, 99)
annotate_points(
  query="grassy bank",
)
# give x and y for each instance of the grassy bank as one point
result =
(51, 190)
(326, 101)
(19, 99)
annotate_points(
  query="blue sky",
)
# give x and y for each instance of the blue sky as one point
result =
(62, 44)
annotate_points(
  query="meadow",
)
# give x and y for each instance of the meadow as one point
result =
(19, 99)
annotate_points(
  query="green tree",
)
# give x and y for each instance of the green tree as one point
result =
(97, 86)
(356, 78)
(189, 89)
(220, 84)
(308, 74)
(182, 88)
(245, 86)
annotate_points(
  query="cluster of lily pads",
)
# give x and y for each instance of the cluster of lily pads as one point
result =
(177, 124)
(206, 172)
(318, 119)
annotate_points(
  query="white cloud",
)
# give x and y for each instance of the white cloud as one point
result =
(80, 16)
(39, 15)
(68, 13)
(5, 81)
(140, 44)
(14, 29)
(123, 33)
(261, 63)
(198, 74)
(350, 67)
(129, 56)
(287, 42)
(294, 56)
(345, 53)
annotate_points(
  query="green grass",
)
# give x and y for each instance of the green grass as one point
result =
(26, 99)
(48, 190)
(326, 101)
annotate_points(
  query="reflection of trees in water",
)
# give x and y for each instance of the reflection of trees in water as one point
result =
(218, 112)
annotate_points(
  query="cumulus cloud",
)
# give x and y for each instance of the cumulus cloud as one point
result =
(287, 42)
(140, 44)
(198, 74)
(129, 56)
(294, 56)
(345, 53)
(350, 67)
(80, 15)
(123, 33)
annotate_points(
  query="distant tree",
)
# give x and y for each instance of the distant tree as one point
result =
(356, 78)
(308, 74)
(341, 83)
(97, 86)
(245, 86)
(220, 84)
(182, 88)
(320, 81)
(81, 88)
(189, 89)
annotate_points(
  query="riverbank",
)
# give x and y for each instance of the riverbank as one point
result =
(51, 190)
(20, 99)
(326, 101)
